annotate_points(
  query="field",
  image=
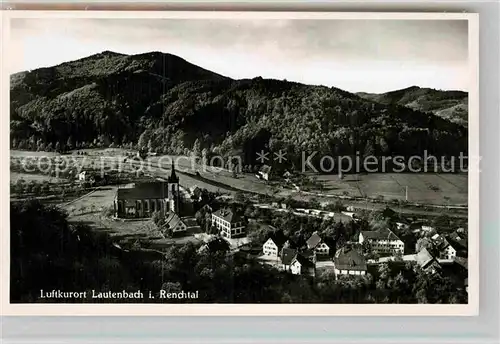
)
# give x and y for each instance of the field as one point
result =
(15, 176)
(431, 188)
(426, 188)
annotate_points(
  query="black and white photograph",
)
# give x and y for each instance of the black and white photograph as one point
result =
(252, 159)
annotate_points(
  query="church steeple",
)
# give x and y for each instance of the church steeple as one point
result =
(173, 177)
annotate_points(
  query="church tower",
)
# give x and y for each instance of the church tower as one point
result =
(173, 191)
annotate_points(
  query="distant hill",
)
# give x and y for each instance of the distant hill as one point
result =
(163, 103)
(450, 105)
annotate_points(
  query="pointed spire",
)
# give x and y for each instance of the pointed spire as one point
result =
(173, 177)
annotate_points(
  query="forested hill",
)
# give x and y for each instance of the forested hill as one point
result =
(160, 101)
(451, 105)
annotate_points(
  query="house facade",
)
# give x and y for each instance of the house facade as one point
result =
(272, 247)
(143, 199)
(316, 243)
(264, 172)
(287, 257)
(382, 241)
(230, 224)
(348, 261)
(427, 262)
(302, 266)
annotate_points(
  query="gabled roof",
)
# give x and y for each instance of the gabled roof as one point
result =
(349, 259)
(278, 238)
(424, 258)
(228, 215)
(265, 169)
(172, 220)
(383, 234)
(303, 261)
(313, 240)
(148, 190)
(287, 255)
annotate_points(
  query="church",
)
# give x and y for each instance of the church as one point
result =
(143, 199)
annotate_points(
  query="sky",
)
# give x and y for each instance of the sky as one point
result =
(354, 55)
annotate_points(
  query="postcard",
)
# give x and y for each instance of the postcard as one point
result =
(240, 163)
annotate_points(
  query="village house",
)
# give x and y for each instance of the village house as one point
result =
(382, 241)
(302, 266)
(348, 261)
(320, 246)
(174, 224)
(402, 225)
(82, 176)
(450, 246)
(229, 223)
(426, 261)
(264, 172)
(287, 256)
(143, 199)
(272, 247)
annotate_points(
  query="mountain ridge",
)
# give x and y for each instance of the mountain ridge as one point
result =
(162, 102)
(448, 104)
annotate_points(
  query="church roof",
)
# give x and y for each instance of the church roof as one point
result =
(148, 190)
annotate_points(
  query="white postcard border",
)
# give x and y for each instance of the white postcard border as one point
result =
(46, 309)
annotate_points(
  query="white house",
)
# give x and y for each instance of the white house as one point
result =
(402, 225)
(82, 176)
(287, 257)
(318, 245)
(348, 261)
(382, 241)
(273, 245)
(230, 224)
(302, 266)
(264, 172)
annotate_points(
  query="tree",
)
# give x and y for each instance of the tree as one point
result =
(197, 148)
(69, 143)
(143, 141)
(442, 221)
(158, 219)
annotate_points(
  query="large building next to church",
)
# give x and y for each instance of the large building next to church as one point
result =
(143, 199)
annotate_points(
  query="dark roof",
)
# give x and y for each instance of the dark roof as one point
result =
(459, 245)
(462, 262)
(228, 215)
(424, 258)
(190, 222)
(313, 240)
(303, 261)
(349, 259)
(287, 255)
(148, 190)
(382, 234)
(278, 238)
(173, 177)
